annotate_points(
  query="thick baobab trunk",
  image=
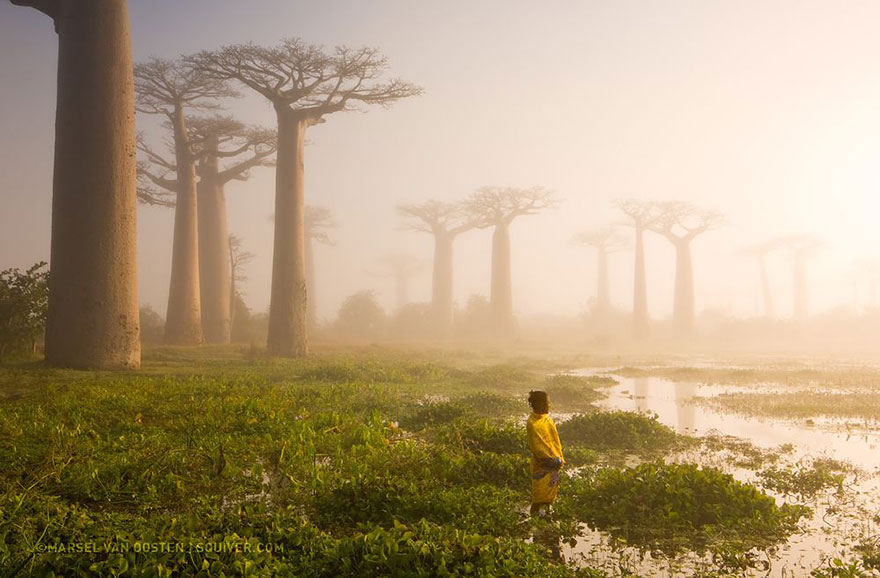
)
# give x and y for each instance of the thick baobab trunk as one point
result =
(183, 322)
(215, 274)
(311, 304)
(603, 294)
(93, 309)
(800, 287)
(501, 297)
(769, 310)
(287, 309)
(641, 324)
(683, 303)
(441, 290)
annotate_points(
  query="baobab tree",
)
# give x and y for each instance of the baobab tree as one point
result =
(759, 253)
(445, 221)
(170, 88)
(402, 268)
(210, 139)
(304, 83)
(242, 148)
(317, 222)
(681, 223)
(606, 241)
(866, 270)
(238, 258)
(498, 207)
(92, 318)
(803, 247)
(641, 215)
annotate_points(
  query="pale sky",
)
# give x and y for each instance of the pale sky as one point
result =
(767, 112)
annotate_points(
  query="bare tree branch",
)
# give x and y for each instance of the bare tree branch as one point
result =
(238, 258)
(148, 195)
(682, 222)
(642, 214)
(224, 137)
(490, 206)
(608, 239)
(437, 217)
(317, 221)
(167, 86)
(303, 78)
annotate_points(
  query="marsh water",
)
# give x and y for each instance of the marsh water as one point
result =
(839, 522)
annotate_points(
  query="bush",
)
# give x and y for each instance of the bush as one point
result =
(361, 316)
(24, 301)
(618, 430)
(673, 507)
(152, 325)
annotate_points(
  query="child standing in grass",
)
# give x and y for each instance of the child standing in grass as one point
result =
(547, 458)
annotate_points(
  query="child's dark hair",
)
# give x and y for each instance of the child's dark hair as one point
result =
(539, 402)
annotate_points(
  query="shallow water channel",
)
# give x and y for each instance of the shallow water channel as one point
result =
(838, 522)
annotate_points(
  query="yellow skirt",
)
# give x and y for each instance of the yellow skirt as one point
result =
(545, 487)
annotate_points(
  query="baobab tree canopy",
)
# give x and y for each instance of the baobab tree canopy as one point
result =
(306, 78)
(490, 206)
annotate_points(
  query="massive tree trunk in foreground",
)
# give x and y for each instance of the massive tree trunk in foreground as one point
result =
(442, 282)
(683, 304)
(641, 323)
(215, 273)
(93, 310)
(501, 295)
(288, 333)
(183, 322)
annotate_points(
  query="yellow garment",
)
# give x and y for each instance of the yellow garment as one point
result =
(543, 443)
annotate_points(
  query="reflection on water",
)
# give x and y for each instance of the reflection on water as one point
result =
(834, 528)
(676, 405)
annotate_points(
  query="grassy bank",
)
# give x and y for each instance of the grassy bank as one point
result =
(222, 462)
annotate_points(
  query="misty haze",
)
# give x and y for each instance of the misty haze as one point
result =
(439, 288)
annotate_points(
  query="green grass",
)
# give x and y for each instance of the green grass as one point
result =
(863, 405)
(348, 463)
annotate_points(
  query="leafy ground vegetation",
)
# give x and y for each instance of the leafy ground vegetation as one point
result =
(220, 462)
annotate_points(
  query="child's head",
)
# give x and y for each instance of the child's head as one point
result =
(539, 402)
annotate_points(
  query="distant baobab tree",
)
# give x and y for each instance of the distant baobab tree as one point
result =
(317, 222)
(92, 318)
(401, 267)
(169, 88)
(641, 216)
(759, 253)
(681, 223)
(304, 83)
(445, 221)
(866, 270)
(803, 247)
(242, 148)
(606, 241)
(238, 258)
(498, 207)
